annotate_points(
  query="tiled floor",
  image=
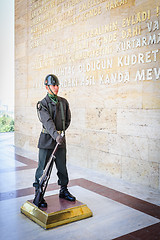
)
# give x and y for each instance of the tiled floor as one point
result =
(120, 210)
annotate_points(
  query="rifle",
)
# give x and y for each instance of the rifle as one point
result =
(45, 178)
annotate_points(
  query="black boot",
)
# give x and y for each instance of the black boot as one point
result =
(64, 193)
(43, 203)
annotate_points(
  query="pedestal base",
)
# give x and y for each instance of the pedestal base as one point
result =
(58, 212)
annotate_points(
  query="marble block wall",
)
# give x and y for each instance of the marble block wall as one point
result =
(106, 54)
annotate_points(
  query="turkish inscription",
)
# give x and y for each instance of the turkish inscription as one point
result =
(99, 49)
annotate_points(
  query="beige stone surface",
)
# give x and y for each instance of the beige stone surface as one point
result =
(139, 122)
(154, 150)
(151, 95)
(101, 119)
(78, 118)
(21, 50)
(104, 162)
(27, 142)
(129, 146)
(20, 72)
(77, 155)
(106, 55)
(143, 172)
(95, 140)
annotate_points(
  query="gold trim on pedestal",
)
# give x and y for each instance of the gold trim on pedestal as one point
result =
(54, 219)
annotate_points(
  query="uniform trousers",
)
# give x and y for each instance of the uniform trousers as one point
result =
(60, 162)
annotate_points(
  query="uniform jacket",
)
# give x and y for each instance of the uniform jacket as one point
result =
(53, 123)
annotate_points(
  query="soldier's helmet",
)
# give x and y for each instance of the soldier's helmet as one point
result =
(51, 79)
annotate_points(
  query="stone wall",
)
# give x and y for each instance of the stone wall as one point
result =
(106, 54)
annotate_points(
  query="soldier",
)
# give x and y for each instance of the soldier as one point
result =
(54, 113)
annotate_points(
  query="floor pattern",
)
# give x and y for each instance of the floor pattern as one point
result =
(151, 232)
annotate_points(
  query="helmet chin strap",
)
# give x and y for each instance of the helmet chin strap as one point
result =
(51, 91)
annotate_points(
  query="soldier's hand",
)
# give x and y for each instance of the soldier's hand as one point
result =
(60, 139)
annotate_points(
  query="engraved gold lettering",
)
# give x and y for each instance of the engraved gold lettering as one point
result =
(114, 4)
(136, 18)
(142, 75)
(131, 32)
(157, 11)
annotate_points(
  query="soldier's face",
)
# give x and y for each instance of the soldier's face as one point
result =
(54, 89)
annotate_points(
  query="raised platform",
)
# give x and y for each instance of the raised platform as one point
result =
(58, 212)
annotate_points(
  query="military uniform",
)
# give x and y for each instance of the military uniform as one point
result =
(55, 115)
(51, 116)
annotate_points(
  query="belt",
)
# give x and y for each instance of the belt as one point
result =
(45, 131)
(59, 132)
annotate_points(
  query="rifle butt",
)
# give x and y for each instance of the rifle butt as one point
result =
(38, 198)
